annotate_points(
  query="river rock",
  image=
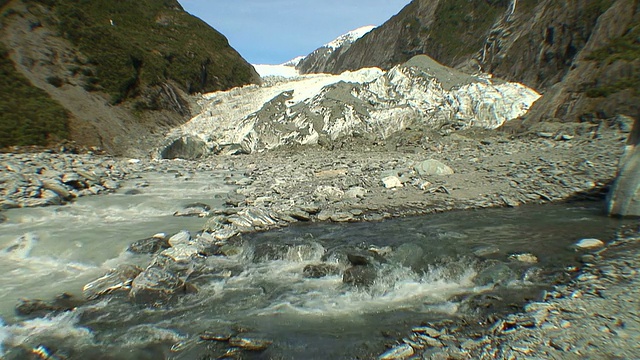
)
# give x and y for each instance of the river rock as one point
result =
(524, 258)
(408, 254)
(181, 238)
(249, 344)
(391, 182)
(150, 245)
(589, 244)
(360, 276)
(156, 286)
(37, 307)
(400, 352)
(269, 251)
(73, 180)
(116, 279)
(57, 187)
(195, 209)
(496, 274)
(433, 167)
(356, 192)
(329, 193)
(316, 271)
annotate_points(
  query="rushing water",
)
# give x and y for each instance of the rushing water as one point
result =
(430, 268)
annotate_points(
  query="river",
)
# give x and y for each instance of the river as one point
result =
(428, 268)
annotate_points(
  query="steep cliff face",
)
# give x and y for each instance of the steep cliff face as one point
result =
(122, 70)
(541, 43)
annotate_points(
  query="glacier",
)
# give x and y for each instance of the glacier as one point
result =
(368, 103)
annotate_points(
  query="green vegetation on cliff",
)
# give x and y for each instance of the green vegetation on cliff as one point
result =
(28, 116)
(133, 45)
(626, 51)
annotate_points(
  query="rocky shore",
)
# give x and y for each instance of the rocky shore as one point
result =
(418, 173)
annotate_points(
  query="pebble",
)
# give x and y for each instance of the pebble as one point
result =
(589, 244)
(400, 352)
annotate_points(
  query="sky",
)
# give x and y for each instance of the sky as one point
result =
(275, 31)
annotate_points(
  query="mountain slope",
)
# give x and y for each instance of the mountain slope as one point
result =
(545, 44)
(122, 69)
(325, 57)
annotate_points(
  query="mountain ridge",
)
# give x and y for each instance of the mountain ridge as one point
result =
(123, 71)
(558, 48)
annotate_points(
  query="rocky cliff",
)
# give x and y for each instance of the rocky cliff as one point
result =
(582, 54)
(115, 73)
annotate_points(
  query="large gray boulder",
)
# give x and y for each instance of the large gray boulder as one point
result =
(624, 197)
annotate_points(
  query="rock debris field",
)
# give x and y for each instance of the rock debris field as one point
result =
(596, 315)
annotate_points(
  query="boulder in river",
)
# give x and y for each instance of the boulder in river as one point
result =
(360, 276)
(156, 286)
(150, 245)
(195, 210)
(116, 279)
(316, 271)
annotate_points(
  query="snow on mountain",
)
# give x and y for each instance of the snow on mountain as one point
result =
(283, 70)
(349, 37)
(368, 103)
(324, 56)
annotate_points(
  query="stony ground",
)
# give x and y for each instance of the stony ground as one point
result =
(596, 316)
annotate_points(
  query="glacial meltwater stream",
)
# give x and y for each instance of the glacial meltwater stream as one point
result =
(295, 287)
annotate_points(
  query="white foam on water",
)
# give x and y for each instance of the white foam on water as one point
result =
(63, 327)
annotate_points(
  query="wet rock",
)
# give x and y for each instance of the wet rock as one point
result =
(316, 271)
(50, 197)
(269, 251)
(486, 250)
(249, 344)
(37, 307)
(156, 286)
(116, 279)
(408, 254)
(496, 274)
(524, 258)
(433, 167)
(400, 352)
(589, 244)
(391, 182)
(300, 215)
(133, 192)
(195, 209)
(360, 276)
(359, 259)
(3, 218)
(150, 245)
(181, 238)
